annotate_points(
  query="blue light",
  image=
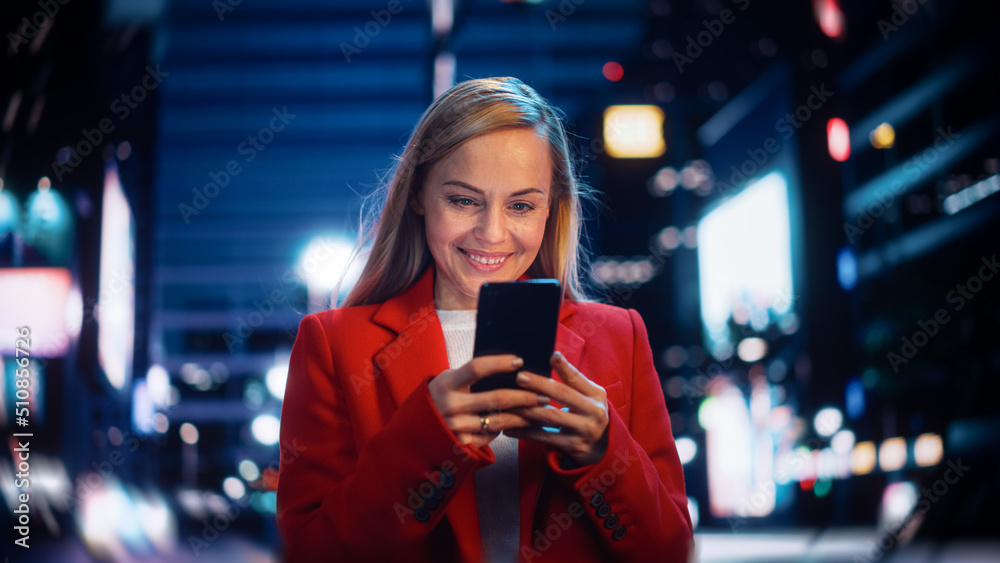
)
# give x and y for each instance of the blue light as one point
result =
(49, 226)
(854, 398)
(9, 215)
(847, 269)
(265, 503)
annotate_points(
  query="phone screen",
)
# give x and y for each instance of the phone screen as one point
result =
(520, 318)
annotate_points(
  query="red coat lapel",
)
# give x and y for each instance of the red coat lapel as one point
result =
(418, 350)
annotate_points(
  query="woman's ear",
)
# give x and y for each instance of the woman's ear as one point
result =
(414, 202)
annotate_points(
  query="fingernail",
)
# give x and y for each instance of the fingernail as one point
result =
(543, 400)
(557, 356)
(522, 378)
(517, 362)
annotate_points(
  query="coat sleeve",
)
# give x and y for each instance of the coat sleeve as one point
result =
(635, 494)
(338, 503)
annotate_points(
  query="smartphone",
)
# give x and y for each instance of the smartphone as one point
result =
(518, 317)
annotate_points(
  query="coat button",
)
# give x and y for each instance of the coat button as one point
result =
(619, 533)
(422, 514)
(596, 500)
(431, 503)
(611, 521)
(437, 493)
(447, 480)
(603, 510)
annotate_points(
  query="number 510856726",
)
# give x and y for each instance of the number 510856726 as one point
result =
(22, 356)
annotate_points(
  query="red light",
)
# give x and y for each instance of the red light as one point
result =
(838, 139)
(829, 16)
(613, 71)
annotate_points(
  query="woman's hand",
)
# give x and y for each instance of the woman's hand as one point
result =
(462, 409)
(583, 433)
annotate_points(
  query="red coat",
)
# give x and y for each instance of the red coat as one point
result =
(370, 472)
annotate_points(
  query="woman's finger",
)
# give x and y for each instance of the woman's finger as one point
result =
(584, 450)
(551, 417)
(559, 392)
(573, 378)
(482, 367)
(498, 400)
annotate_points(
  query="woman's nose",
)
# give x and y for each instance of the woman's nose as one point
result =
(492, 228)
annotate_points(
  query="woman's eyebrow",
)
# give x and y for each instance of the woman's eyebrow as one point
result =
(462, 184)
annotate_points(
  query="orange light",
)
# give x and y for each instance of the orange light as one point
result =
(863, 458)
(634, 131)
(838, 139)
(613, 71)
(928, 450)
(892, 454)
(883, 136)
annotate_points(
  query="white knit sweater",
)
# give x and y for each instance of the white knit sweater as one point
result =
(496, 484)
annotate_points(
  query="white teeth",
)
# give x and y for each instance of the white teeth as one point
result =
(484, 260)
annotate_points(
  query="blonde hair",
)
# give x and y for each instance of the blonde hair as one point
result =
(399, 254)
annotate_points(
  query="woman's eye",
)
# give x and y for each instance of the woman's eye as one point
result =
(522, 207)
(463, 201)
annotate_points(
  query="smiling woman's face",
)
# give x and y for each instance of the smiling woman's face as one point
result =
(485, 207)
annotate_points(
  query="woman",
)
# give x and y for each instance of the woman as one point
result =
(387, 456)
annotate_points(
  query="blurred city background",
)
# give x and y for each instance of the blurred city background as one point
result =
(799, 198)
